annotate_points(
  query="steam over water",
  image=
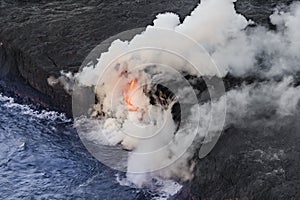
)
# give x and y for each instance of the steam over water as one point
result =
(213, 41)
(41, 156)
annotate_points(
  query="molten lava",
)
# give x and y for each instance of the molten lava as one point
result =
(129, 94)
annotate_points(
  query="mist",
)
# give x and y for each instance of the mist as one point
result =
(214, 40)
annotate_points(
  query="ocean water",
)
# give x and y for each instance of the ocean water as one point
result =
(41, 157)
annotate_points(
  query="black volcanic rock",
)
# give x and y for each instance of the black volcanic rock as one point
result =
(41, 38)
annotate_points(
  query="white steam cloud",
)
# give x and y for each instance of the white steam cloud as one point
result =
(233, 46)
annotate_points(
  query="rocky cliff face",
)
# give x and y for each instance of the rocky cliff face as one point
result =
(41, 38)
(38, 39)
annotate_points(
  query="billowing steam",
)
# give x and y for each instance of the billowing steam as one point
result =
(126, 77)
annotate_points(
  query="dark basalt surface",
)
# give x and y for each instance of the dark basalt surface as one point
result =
(41, 38)
(38, 39)
(252, 163)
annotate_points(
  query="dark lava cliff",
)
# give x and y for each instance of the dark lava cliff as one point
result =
(38, 39)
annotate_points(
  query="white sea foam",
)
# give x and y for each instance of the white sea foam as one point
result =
(10, 103)
(160, 189)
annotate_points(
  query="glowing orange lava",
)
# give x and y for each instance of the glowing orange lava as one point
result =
(129, 92)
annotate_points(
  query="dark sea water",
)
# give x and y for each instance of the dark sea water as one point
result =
(41, 157)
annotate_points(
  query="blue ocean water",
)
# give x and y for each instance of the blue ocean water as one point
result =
(41, 157)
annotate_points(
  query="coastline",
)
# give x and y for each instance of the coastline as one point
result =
(56, 38)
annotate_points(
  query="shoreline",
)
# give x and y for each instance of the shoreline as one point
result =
(34, 49)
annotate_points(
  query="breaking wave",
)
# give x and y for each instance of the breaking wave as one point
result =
(27, 110)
